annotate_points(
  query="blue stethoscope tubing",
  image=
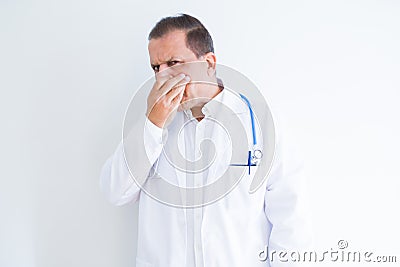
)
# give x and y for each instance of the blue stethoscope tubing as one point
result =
(253, 128)
(251, 155)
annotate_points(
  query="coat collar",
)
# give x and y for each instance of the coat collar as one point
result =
(226, 97)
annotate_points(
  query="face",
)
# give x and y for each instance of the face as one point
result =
(167, 57)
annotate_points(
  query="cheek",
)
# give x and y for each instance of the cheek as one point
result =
(198, 71)
(189, 90)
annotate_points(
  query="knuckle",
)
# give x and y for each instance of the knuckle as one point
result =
(164, 103)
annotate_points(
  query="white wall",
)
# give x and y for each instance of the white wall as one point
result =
(69, 68)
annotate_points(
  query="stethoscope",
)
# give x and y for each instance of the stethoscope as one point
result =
(254, 155)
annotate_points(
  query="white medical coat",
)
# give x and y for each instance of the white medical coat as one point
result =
(229, 232)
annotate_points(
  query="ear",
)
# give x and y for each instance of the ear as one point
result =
(211, 60)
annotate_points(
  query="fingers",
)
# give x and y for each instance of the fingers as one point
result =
(168, 85)
(177, 99)
(179, 88)
(171, 91)
(161, 78)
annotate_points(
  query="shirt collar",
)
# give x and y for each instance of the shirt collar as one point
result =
(227, 97)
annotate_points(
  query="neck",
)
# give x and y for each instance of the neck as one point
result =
(214, 90)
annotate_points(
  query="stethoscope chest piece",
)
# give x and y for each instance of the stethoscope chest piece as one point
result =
(257, 155)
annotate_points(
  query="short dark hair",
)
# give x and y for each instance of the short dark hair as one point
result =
(198, 39)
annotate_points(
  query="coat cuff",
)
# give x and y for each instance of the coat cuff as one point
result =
(153, 140)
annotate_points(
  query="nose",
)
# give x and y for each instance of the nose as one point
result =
(163, 67)
(167, 70)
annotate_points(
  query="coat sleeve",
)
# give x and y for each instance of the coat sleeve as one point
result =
(116, 180)
(287, 206)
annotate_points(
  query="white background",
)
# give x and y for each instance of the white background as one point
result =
(69, 68)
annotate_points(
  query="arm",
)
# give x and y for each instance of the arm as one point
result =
(124, 173)
(116, 181)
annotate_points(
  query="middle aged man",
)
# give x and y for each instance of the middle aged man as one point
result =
(233, 230)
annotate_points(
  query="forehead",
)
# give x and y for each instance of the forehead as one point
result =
(170, 46)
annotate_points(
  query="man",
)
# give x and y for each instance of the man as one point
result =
(233, 230)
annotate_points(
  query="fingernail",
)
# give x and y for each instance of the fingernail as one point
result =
(181, 75)
(187, 78)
